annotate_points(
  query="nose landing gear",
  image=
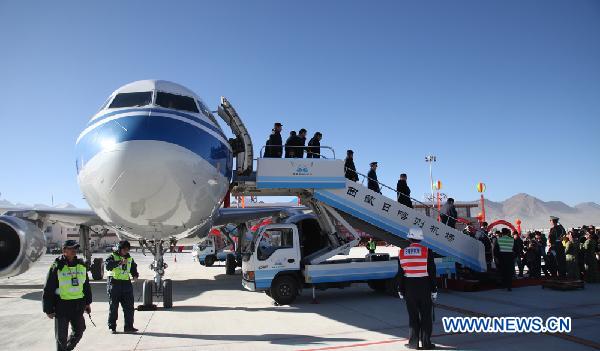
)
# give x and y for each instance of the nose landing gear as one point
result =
(158, 287)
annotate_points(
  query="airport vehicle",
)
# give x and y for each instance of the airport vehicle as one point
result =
(283, 268)
(207, 251)
(285, 257)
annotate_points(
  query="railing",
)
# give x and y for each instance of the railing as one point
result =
(398, 193)
(303, 148)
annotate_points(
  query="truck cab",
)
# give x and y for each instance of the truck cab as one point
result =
(281, 261)
(205, 251)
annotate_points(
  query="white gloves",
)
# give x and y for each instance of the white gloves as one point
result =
(434, 296)
(401, 296)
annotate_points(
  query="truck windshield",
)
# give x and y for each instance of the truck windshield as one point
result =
(273, 240)
(203, 245)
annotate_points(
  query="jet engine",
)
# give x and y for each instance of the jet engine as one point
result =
(21, 244)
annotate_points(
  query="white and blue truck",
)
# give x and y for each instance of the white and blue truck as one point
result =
(214, 248)
(286, 257)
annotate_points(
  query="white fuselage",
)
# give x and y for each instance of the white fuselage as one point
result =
(152, 172)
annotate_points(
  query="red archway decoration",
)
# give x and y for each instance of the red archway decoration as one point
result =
(464, 221)
(500, 222)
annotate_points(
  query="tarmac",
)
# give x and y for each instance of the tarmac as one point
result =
(213, 312)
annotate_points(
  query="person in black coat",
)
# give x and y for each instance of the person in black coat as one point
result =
(274, 144)
(301, 143)
(518, 250)
(289, 151)
(403, 191)
(449, 213)
(349, 167)
(314, 146)
(373, 184)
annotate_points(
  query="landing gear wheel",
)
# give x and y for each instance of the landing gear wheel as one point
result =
(284, 290)
(168, 293)
(97, 269)
(230, 264)
(209, 260)
(147, 292)
(377, 285)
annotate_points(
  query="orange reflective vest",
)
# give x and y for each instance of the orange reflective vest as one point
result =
(413, 260)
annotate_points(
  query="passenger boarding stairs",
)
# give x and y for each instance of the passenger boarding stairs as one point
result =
(323, 181)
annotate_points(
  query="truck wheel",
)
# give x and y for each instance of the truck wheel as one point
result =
(284, 290)
(168, 293)
(377, 285)
(209, 260)
(230, 264)
(147, 293)
(97, 269)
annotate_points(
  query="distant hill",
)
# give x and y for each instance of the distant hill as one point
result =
(4, 204)
(534, 213)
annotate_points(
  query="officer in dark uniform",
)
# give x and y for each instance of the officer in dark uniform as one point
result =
(121, 267)
(67, 295)
(419, 289)
(373, 184)
(557, 232)
(504, 250)
(275, 144)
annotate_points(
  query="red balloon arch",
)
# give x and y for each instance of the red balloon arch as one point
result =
(501, 222)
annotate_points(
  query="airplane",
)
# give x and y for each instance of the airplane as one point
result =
(154, 165)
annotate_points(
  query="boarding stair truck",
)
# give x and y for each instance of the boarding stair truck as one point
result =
(213, 248)
(286, 257)
(321, 185)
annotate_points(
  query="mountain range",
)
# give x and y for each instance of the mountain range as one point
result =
(533, 212)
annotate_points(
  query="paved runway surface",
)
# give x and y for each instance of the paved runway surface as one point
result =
(212, 312)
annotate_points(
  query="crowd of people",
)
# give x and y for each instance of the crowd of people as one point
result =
(573, 254)
(295, 145)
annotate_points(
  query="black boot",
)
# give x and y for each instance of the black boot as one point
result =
(130, 330)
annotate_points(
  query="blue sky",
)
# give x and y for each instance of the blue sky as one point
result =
(504, 92)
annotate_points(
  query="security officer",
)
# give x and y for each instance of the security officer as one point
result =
(555, 237)
(418, 286)
(67, 295)
(121, 267)
(371, 246)
(504, 250)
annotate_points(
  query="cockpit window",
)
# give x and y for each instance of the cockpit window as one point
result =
(207, 112)
(142, 98)
(177, 102)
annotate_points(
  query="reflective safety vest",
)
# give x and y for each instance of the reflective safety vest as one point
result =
(371, 245)
(66, 277)
(118, 273)
(506, 243)
(413, 260)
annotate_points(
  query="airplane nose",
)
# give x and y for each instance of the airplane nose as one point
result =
(145, 186)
